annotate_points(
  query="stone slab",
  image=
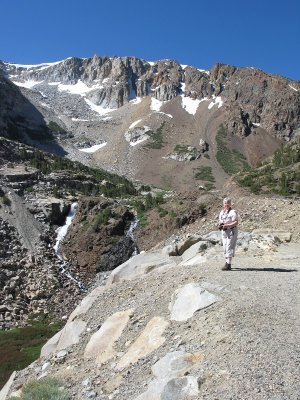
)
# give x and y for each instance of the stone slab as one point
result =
(101, 344)
(189, 299)
(150, 339)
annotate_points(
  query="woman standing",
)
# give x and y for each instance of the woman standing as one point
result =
(228, 221)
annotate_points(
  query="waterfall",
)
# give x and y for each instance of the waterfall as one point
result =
(61, 233)
(133, 226)
(62, 230)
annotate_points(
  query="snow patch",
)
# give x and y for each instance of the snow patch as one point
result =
(137, 100)
(36, 66)
(156, 104)
(135, 123)
(203, 70)
(93, 148)
(216, 101)
(99, 109)
(191, 105)
(79, 88)
(44, 105)
(168, 115)
(292, 87)
(138, 141)
(27, 84)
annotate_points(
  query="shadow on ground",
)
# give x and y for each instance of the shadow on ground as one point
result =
(265, 269)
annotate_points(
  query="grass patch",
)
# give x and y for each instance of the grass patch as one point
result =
(155, 140)
(101, 219)
(19, 347)
(205, 174)
(162, 212)
(181, 149)
(143, 221)
(44, 389)
(231, 161)
(209, 186)
(5, 200)
(279, 174)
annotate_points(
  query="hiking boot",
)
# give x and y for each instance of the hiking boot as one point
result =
(227, 267)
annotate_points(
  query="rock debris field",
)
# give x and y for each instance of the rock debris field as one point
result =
(175, 326)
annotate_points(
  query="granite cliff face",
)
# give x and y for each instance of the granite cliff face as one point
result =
(253, 96)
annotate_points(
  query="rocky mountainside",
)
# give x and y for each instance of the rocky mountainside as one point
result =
(157, 122)
(139, 315)
(36, 194)
(169, 323)
(19, 119)
(179, 133)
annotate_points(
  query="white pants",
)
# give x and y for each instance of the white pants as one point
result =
(229, 239)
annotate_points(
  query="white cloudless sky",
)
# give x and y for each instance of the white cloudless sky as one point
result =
(259, 33)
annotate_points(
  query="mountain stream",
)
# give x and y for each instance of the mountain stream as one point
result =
(61, 233)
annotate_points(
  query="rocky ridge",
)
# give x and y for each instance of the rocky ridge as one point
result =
(252, 95)
(132, 108)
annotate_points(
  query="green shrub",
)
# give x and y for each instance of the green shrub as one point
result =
(101, 219)
(5, 200)
(19, 347)
(162, 212)
(143, 221)
(205, 174)
(55, 128)
(155, 140)
(45, 389)
(181, 149)
(279, 174)
(57, 193)
(231, 161)
(209, 186)
(202, 209)
(172, 214)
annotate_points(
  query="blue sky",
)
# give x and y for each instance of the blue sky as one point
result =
(263, 34)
